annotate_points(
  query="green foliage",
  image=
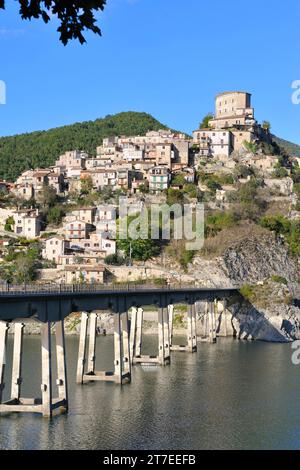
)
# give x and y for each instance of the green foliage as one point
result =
(143, 189)
(186, 257)
(73, 17)
(295, 174)
(219, 221)
(279, 279)
(55, 215)
(178, 180)
(114, 260)
(48, 197)
(286, 146)
(9, 224)
(250, 146)
(248, 292)
(86, 185)
(20, 266)
(213, 185)
(290, 230)
(191, 190)
(279, 173)
(177, 251)
(276, 223)
(215, 181)
(141, 250)
(42, 148)
(159, 282)
(174, 196)
(205, 121)
(243, 171)
(266, 125)
(297, 189)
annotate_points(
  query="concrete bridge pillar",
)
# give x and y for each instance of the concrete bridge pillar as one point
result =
(136, 329)
(46, 404)
(171, 321)
(126, 347)
(16, 379)
(4, 327)
(62, 382)
(122, 365)
(92, 343)
(191, 332)
(212, 321)
(82, 347)
(163, 337)
(191, 345)
(133, 326)
(139, 331)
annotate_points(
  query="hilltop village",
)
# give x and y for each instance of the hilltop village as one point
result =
(59, 224)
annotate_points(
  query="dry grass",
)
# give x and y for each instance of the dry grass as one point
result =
(215, 246)
(278, 207)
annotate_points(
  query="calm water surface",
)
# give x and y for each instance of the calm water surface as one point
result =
(233, 395)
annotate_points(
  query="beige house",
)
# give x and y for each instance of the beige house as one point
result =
(103, 177)
(72, 159)
(28, 223)
(77, 229)
(55, 248)
(56, 180)
(86, 214)
(97, 243)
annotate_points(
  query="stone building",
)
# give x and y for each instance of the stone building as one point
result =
(28, 223)
(214, 142)
(54, 248)
(84, 273)
(232, 109)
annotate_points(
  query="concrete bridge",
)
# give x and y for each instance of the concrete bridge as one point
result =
(50, 305)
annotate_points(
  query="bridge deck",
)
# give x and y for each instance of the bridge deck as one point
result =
(54, 302)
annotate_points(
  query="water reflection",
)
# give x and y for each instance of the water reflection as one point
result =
(232, 395)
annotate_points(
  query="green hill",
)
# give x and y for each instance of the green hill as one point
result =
(42, 148)
(288, 147)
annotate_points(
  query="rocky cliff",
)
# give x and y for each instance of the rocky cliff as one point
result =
(266, 309)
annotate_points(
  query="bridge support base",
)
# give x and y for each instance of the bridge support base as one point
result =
(191, 345)
(122, 366)
(46, 404)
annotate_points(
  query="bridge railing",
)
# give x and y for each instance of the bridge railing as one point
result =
(12, 289)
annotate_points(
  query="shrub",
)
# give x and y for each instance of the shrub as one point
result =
(279, 173)
(114, 260)
(279, 279)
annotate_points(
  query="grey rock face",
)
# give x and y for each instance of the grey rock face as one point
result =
(254, 260)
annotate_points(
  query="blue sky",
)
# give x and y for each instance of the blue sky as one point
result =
(165, 57)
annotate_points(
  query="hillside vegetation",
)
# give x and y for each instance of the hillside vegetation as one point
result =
(288, 147)
(42, 148)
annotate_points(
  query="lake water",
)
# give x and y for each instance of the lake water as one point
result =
(232, 395)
